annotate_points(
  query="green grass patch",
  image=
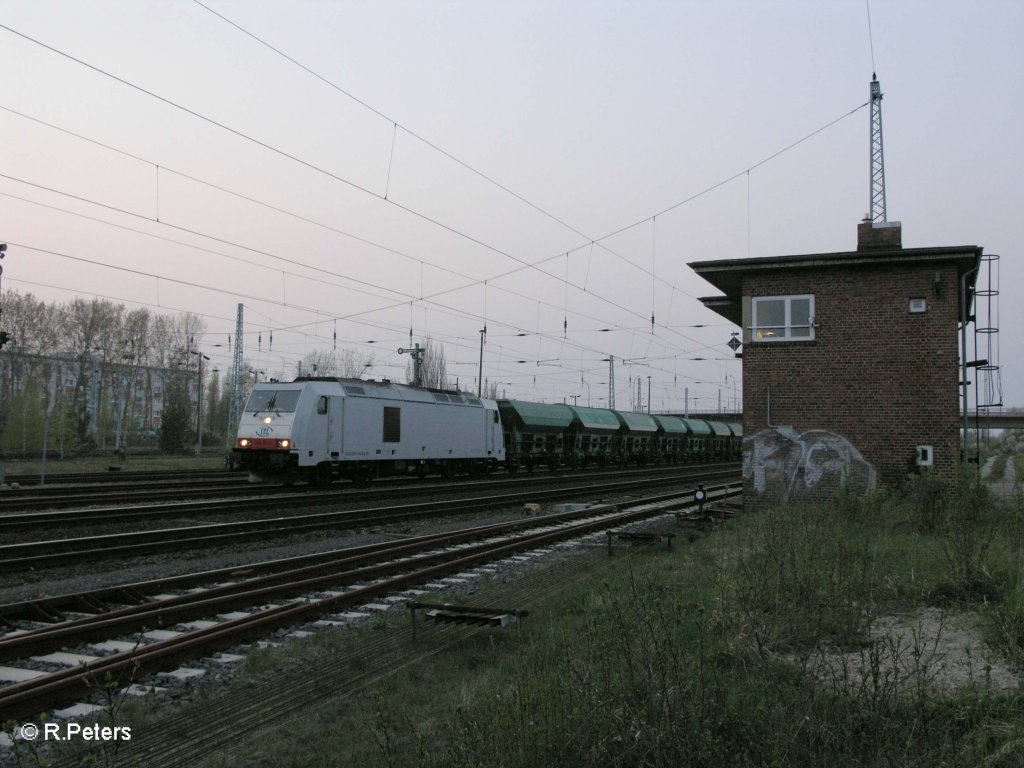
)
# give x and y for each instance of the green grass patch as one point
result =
(755, 645)
(147, 463)
(721, 652)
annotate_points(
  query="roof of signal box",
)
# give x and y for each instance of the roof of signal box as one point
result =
(727, 274)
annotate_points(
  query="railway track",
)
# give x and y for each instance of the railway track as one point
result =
(19, 512)
(118, 476)
(41, 554)
(51, 498)
(230, 606)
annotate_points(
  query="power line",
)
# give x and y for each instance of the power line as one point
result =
(473, 282)
(591, 241)
(735, 176)
(407, 209)
(269, 147)
(524, 263)
(117, 298)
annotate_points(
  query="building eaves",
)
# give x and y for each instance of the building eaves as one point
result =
(727, 274)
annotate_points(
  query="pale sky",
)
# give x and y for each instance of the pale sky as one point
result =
(465, 163)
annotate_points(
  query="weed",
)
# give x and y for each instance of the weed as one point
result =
(803, 582)
(927, 496)
(1006, 625)
(26, 751)
(998, 469)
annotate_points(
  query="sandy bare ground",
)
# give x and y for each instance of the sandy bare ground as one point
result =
(925, 651)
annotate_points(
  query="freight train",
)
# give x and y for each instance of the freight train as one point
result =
(321, 429)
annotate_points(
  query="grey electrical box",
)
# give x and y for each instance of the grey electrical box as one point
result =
(925, 456)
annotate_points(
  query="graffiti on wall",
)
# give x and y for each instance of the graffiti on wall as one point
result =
(786, 466)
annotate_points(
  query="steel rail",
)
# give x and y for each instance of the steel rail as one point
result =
(23, 518)
(24, 699)
(346, 567)
(36, 554)
(57, 478)
(59, 498)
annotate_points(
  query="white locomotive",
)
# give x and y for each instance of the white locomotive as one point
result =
(319, 429)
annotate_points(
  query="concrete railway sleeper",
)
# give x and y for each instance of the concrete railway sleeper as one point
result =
(179, 500)
(293, 575)
(27, 698)
(14, 557)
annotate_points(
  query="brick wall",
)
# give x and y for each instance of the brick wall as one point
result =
(885, 379)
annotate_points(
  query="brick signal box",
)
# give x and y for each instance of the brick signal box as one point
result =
(851, 362)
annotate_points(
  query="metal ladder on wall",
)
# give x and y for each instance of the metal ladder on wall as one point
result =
(989, 392)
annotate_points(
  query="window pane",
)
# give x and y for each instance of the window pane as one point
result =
(770, 313)
(800, 312)
(800, 333)
(279, 400)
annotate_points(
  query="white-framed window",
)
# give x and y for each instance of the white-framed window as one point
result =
(782, 318)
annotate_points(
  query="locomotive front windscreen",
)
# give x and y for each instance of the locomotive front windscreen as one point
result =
(278, 400)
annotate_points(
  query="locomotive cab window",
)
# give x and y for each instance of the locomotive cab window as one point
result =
(321, 405)
(277, 400)
(782, 318)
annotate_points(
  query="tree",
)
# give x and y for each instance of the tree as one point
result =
(176, 418)
(215, 405)
(344, 363)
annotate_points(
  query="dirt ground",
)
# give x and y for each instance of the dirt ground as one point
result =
(941, 652)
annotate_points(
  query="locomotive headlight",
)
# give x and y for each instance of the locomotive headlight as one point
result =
(243, 443)
(284, 443)
(267, 419)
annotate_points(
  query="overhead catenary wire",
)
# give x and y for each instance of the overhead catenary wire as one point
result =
(590, 244)
(592, 241)
(523, 264)
(235, 294)
(312, 166)
(287, 213)
(271, 148)
(426, 300)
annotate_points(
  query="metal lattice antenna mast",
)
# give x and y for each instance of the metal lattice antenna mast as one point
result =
(877, 156)
(611, 381)
(236, 376)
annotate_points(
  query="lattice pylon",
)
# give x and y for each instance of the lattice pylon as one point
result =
(877, 155)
